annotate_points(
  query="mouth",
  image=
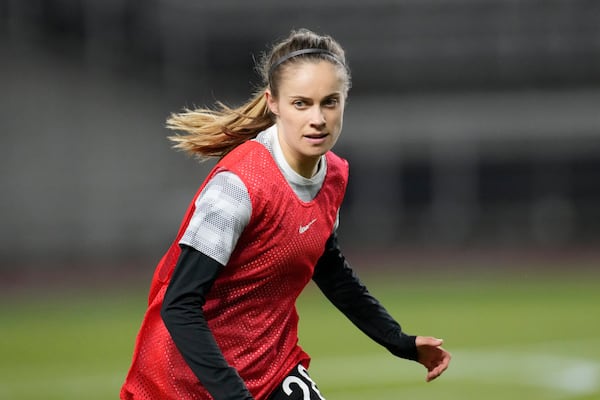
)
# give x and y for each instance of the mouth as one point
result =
(316, 136)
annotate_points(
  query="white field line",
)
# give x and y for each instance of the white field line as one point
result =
(541, 368)
(572, 376)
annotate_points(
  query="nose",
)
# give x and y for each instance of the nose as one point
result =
(318, 118)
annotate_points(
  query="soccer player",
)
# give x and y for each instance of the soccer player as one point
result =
(221, 321)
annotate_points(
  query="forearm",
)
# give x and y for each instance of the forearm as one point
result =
(183, 316)
(342, 287)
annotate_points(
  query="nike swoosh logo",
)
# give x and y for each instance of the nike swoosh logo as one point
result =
(304, 228)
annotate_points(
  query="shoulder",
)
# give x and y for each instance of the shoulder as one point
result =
(337, 163)
(243, 150)
(253, 166)
(225, 194)
(249, 152)
(224, 181)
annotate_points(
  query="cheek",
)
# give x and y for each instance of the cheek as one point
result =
(336, 117)
(292, 121)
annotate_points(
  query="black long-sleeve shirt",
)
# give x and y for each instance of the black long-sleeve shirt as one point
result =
(183, 316)
(339, 283)
(195, 274)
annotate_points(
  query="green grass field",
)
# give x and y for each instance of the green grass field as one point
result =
(528, 336)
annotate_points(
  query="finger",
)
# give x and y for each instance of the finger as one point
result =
(442, 365)
(431, 375)
(434, 373)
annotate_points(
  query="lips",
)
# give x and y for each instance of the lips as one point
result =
(316, 135)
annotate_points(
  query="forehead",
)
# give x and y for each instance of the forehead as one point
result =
(312, 78)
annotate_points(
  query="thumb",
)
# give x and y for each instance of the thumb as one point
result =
(428, 341)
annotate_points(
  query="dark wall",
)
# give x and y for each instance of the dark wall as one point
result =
(469, 122)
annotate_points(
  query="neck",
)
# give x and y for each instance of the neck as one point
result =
(304, 166)
(307, 169)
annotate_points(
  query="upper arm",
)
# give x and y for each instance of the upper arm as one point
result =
(222, 212)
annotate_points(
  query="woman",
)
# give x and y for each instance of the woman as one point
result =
(221, 321)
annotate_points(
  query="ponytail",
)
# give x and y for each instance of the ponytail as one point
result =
(215, 132)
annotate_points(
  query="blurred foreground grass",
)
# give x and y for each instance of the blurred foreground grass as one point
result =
(520, 336)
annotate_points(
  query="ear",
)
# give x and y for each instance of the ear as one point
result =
(271, 102)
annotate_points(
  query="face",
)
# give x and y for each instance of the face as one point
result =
(309, 112)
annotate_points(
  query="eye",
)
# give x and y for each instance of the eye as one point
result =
(299, 104)
(331, 102)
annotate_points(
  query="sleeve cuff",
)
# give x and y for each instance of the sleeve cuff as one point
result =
(405, 347)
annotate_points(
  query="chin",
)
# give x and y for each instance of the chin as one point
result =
(316, 153)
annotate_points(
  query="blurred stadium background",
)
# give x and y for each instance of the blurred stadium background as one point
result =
(473, 132)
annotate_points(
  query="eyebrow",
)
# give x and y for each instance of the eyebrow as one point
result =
(302, 97)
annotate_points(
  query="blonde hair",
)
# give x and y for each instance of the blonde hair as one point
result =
(215, 132)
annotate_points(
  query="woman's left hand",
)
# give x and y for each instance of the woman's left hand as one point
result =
(432, 356)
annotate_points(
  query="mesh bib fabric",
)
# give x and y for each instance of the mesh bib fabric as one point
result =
(251, 306)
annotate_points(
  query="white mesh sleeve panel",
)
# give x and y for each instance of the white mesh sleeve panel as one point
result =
(222, 212)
